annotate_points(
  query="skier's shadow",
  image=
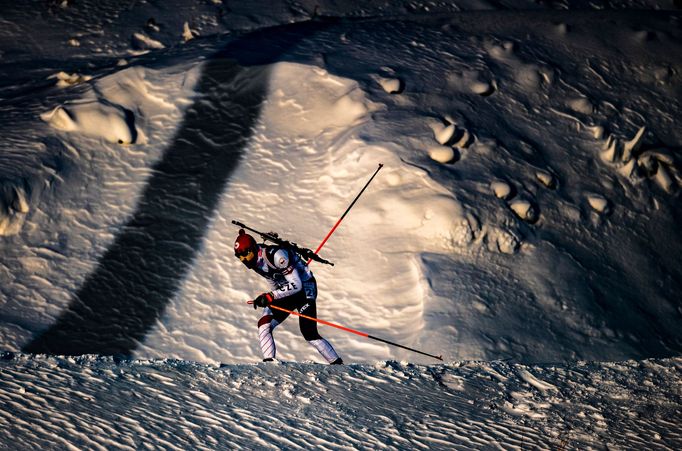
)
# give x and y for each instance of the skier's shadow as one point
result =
(141, 271)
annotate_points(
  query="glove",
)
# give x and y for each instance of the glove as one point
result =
(263, 300)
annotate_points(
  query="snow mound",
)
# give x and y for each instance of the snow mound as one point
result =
(65, 80)
(472, 82)
(389, 81)
(598, 203)
(442, 154)
(305, 101)
(524, 209)
(501, 189)
(14, 206)
(119, 108)
(98, 118)
(143, 42)
(443, 133)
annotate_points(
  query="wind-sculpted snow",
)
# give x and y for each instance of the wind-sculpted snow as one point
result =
(111, 122)
(140, 272)
(527, 209)
(99, 403)
(14, 205)
(120, 301)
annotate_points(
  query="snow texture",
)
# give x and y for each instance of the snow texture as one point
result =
(100, 403)
(527, 212)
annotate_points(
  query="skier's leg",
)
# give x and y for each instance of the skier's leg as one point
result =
(327, 350)
(309, 330)
(266, 324)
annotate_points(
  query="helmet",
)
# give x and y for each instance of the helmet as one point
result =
(245, 248)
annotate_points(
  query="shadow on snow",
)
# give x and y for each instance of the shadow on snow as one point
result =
(139, 274)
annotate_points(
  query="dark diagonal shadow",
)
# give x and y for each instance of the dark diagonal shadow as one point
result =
(147, 262)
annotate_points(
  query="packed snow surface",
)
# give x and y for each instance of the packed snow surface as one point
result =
(99, 403)
(527, 211)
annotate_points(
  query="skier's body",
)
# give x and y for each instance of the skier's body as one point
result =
(293, 288)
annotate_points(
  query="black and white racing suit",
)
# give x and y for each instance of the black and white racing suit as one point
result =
(293, 288)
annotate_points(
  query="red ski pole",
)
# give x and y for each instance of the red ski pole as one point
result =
(347, 210)
(348, 329)
(353, 331)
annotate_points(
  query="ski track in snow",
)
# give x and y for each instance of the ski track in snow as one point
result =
(96, 403)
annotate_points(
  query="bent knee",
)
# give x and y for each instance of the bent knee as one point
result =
(310, 336)
(266, 319)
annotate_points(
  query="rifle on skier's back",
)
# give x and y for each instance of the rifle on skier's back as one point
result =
(274, 237)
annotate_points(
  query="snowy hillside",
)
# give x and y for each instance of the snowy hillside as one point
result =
(527, 212)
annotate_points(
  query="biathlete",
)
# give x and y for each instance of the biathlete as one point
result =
(293, 287)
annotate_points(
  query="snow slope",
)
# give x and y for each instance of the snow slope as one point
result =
(97, 403)
(527, 211)
(524, 196)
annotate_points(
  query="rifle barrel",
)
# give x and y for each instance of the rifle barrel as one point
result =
(304, 252)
